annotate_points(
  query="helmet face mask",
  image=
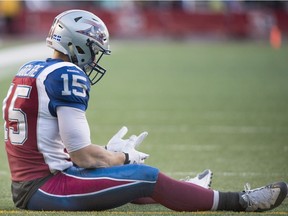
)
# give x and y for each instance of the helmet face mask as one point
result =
(83, 37)
(93, 70)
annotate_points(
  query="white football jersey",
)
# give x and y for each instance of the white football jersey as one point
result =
(33, 143)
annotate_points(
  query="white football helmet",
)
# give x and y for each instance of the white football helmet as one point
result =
(83, 37)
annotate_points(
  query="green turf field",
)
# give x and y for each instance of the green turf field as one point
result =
(216, 105)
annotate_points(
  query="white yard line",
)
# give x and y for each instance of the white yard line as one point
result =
(237, 174)
(18, 55)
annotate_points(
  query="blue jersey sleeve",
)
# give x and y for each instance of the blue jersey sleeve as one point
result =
(67, 86)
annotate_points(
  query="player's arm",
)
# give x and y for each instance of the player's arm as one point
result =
(75, 134)
(95, 156)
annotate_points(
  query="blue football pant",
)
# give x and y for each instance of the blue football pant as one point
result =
(78, 189)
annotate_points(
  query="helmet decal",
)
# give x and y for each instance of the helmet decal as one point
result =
(57, 37)
(96, 31)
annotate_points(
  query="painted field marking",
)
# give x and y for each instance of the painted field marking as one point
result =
(18, 55)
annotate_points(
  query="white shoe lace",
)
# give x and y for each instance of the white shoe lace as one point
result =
(260, 198)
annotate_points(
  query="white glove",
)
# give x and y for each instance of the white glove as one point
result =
(133, 156)
(118, 144)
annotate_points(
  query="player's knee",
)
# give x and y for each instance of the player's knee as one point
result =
(142, 172)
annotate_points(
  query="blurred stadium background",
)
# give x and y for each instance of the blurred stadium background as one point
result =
(206, 79)
(181, 19)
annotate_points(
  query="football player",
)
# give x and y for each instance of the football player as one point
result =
(54, 166)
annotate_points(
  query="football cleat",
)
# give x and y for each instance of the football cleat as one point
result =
(203, 179)
(263, 198)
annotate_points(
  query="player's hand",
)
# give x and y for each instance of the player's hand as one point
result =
(117, 143)
(134, 156)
